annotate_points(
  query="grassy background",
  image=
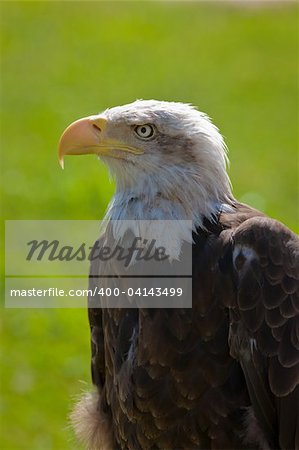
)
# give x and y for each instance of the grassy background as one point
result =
(61, 61)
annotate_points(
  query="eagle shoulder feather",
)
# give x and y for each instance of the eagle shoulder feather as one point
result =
(264, 325)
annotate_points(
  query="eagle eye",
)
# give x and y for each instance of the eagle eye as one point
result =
(144, 131)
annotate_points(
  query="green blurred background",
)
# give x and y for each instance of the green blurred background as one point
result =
(65, 60)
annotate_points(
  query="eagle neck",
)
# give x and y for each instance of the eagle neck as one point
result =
(158, 198)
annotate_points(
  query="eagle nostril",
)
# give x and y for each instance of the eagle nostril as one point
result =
(98, 129)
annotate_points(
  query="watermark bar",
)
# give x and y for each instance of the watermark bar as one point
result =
(120, 264)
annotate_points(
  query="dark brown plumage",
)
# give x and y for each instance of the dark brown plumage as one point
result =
(223, 374)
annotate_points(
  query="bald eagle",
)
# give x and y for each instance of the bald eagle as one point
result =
(220, 375)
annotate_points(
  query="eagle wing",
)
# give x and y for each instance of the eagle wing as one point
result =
(264, 325)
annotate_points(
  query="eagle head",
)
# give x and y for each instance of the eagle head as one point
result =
(157, 149)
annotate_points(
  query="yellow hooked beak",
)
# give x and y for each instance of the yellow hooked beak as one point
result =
(87, 136)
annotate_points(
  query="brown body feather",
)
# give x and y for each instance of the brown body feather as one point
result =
(221, 375)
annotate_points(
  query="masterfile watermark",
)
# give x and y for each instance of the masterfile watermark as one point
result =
(140, 250)
(122, 264)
